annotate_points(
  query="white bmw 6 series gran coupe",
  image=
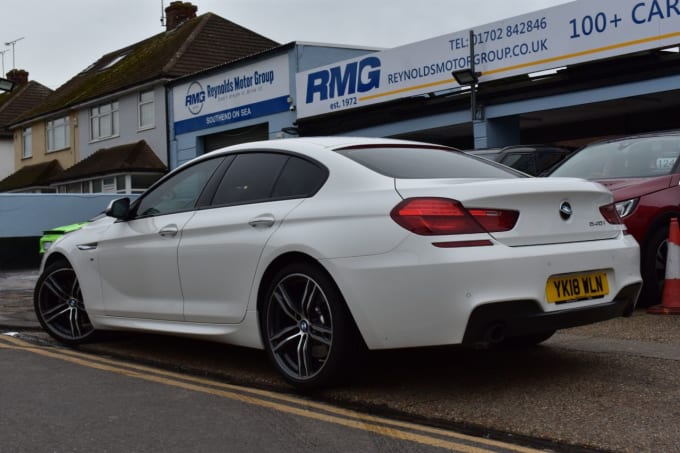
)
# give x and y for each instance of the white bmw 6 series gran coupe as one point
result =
(312, 247)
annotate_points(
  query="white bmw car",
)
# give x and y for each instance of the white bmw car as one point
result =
(312, 247)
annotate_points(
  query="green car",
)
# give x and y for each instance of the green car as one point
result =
(49, 236)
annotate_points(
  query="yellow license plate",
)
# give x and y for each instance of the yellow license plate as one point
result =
(570, 288)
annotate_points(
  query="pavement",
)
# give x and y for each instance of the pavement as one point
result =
(16, 300)
(610, 386)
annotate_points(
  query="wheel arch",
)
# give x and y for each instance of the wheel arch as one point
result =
(661, 221)
(55, 257)
(279, 263)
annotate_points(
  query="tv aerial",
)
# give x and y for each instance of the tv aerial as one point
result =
(12, 43)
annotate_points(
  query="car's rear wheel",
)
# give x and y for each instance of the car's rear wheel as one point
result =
(307, 329)
(59, 306)
(653, 269)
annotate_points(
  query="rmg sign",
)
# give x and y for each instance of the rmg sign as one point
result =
(356, 77)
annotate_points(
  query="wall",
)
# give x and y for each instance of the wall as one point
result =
(66, 157)
(6, 158)
(129, 132)
(24, 217)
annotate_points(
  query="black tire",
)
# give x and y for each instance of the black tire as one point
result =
(653, 267)
(307, 330)
(59, 305)
(526, 341)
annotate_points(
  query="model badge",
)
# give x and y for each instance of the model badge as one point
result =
(565, 210)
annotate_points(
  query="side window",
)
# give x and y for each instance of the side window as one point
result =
(547, 160)
(180, 192)
(250, 177)
(520, 161)
(299, 178)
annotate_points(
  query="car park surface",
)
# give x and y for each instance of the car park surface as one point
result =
(313, 248)
(643, 172)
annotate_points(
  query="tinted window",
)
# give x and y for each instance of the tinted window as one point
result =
(423, 163)
(630, 158)
(250, 177)
(179, 192)
(299, 178)
(520, 161)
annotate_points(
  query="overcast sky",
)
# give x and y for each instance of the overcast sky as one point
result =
(63, 37)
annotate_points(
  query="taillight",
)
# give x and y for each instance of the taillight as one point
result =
(495, 220)
(442, 216)
(610, 214)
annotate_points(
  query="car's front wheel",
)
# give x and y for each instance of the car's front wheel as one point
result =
(306, 326)
(59, 306)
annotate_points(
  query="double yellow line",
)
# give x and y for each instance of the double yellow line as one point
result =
(403, 431)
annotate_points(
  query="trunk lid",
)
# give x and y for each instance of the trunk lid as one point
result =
(538, 200)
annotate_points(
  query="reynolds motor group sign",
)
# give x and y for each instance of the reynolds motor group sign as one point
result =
(240, 94)
(571, 33)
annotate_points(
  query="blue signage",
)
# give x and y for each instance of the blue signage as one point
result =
(233, 115)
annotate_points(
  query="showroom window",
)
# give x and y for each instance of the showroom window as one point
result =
(58, 134)
(27, 143)
(146, 110)
(104, 121)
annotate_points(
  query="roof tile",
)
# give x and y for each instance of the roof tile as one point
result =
(19, 101)
(37, 175)
(199, 43)
(133, 157)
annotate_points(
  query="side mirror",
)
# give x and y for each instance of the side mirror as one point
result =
(119, 209)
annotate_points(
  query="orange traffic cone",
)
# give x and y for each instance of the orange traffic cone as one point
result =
(670, 300)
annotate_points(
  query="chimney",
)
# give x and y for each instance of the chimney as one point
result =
(177, 13)
(18, 76)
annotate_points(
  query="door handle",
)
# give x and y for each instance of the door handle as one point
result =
(266, 221)
(169, 231)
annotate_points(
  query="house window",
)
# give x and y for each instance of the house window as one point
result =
(121, 184)
(74, 187)
(142, 182)
(109, 185)
(58, 134)
(27, 143)
(146, 110)
(104, 121)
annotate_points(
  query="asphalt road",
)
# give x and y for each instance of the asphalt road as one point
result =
(613, 386)
(64, 401)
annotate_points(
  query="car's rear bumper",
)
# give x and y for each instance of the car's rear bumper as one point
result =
(422, 295)
(493, 323)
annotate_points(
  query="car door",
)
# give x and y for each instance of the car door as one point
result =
(221, 246)
(137, 258)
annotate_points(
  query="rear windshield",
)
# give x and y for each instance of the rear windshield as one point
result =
(416, 162)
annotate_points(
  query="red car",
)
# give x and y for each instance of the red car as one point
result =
(643, 173)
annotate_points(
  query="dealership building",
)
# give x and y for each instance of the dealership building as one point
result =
(566, 75)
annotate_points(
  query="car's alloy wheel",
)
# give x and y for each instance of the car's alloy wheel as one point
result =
(306, 326)
(59, 306)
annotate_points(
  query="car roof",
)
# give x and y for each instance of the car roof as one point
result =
(310, 146)
(333, 142)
